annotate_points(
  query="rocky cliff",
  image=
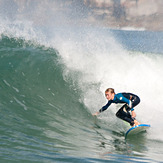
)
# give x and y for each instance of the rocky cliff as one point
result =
(140, 14)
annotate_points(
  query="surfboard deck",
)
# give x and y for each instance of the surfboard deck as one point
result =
(137, 129)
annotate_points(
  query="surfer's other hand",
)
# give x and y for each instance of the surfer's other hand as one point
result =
(95, 114)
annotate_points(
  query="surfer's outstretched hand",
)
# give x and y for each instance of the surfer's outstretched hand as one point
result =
(95, 114)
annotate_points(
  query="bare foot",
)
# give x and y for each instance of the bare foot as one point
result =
(133, 125)
(136, 123)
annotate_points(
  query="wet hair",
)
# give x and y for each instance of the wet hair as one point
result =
(111, 90)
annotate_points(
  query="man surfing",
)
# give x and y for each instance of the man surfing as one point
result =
(123, 113)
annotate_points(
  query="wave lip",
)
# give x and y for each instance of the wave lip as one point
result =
(48, 95)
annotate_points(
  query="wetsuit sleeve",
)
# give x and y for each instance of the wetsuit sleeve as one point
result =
(105, 107)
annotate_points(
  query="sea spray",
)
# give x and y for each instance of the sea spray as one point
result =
(54, 71)
(102, 62)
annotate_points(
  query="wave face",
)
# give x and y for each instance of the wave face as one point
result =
(39, 110)
(52, 77)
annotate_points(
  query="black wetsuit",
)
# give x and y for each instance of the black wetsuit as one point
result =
(130, 101)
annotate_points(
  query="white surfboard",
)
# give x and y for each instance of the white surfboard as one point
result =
(137, 129)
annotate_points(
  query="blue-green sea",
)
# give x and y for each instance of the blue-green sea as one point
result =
(53, 77)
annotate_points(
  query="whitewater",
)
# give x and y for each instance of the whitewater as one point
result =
(53, 74)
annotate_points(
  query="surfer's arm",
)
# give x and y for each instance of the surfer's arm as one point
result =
(103, 108)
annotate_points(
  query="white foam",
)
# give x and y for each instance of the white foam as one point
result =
(101, 59)
(132, 29)
(94, 60)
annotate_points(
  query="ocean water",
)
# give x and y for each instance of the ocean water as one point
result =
(53, 77)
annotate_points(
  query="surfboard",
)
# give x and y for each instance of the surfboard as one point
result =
(137, 129)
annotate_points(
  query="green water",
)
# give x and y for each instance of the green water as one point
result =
(43, 119)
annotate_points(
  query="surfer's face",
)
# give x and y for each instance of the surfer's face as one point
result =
(108, 95)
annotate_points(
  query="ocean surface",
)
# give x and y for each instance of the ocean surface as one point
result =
(52, 78)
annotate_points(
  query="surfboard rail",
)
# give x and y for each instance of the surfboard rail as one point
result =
(137, 129)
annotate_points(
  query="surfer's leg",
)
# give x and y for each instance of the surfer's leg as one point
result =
(125, 115)
(135, 101)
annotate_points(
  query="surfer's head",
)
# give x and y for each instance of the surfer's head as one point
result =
(109, 93)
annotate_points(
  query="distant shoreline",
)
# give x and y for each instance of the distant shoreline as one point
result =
(135, 14)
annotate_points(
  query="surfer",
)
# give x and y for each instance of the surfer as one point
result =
(123, 113)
